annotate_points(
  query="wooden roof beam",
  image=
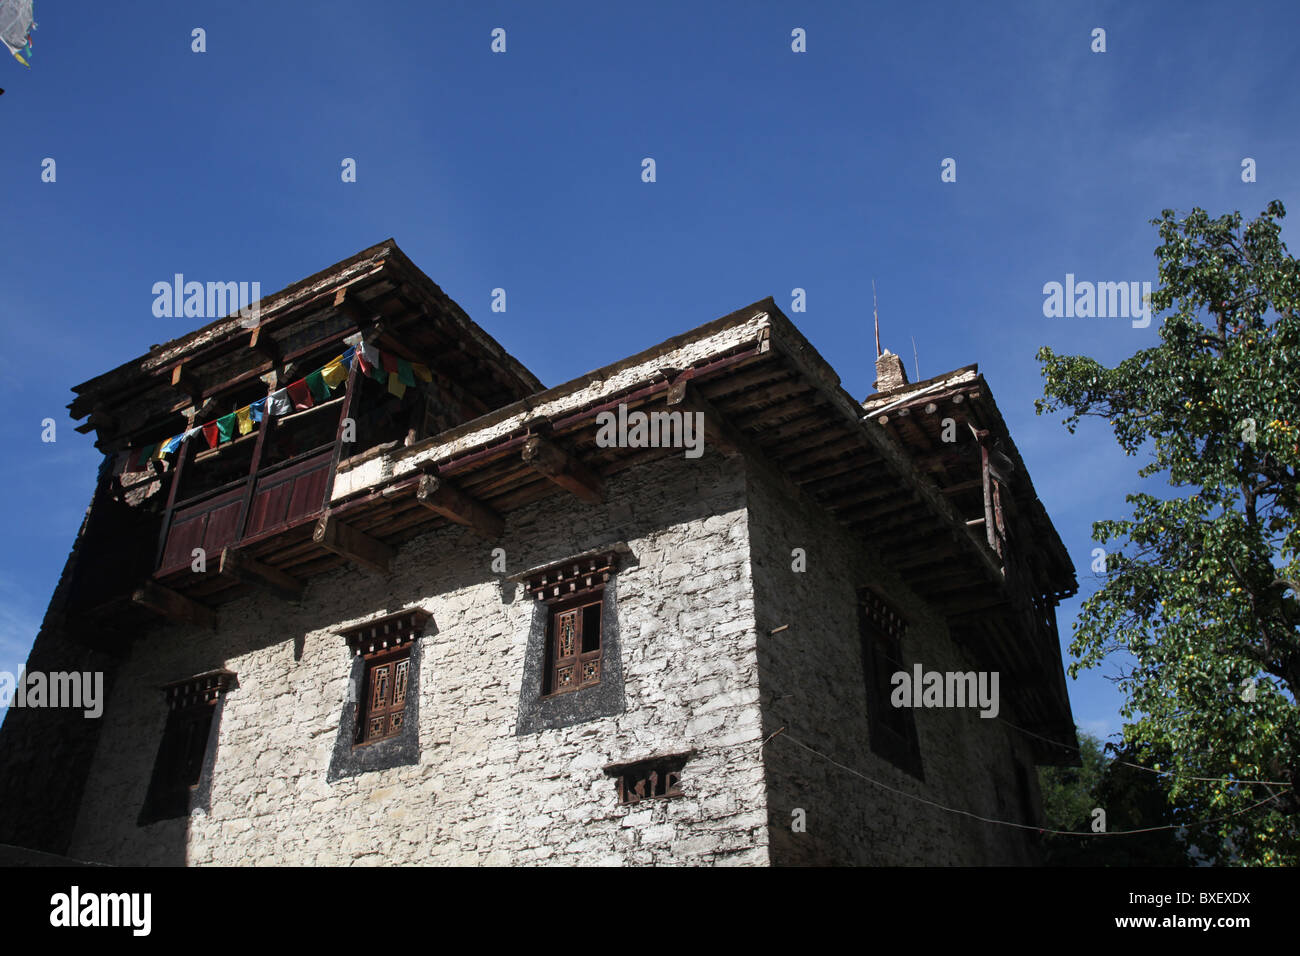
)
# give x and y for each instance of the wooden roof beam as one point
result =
(238, 565)
(852, 463)
(173, 605)
(349, 303)
(101, 421)
(186, 381)
(563, 469)
(442, 497)
(717, 430)
(262, 342)
(728, 387)
(357, 546)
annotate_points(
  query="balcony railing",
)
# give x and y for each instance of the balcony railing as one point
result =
(264, 504)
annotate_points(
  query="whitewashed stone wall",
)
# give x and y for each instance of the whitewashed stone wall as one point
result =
(813, 685)
(479, 794)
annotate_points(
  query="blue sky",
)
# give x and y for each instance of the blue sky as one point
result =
(522, 170)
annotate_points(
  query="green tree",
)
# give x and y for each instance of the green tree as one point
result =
(1201, 583)
(1133, 800)
(1069, 793)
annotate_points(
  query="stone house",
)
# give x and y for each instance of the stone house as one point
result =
(393, 601)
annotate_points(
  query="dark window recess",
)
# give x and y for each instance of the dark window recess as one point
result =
(572, 669)
(379, 728)
(892, 730)
(649, 779)
(182, 753)
(574, 594)
(386, 679)
(383, 708)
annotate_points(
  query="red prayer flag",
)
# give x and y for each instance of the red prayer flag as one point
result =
(211, 433)
(300, 395)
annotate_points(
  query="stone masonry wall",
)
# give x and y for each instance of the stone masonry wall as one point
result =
(813, 685)
(479, 794)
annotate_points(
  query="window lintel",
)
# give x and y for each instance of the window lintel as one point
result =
(387, 632)
(587, 571)
(202, 688)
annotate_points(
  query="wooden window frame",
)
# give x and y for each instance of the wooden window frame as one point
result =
(586, 665)
(393, 665)
(384, 642)
(183, 750)
(891, 730)
(652, 778)
(574, 584)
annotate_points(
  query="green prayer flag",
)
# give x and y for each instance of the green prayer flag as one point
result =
(316, 383)
(226, 427)
(405, 373)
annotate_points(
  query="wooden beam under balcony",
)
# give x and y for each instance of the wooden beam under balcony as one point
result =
(563, 469)
(173, 605)
(347, 542)
(440, 496)
(240, 566)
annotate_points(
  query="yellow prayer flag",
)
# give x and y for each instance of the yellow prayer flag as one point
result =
(422, 372)
(396, 385)
(244, 417)
(334, 372)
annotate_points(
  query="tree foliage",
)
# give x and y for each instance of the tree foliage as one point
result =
(1133, 800)
(1201, 583)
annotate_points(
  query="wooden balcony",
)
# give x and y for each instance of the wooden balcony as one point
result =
(263, 505)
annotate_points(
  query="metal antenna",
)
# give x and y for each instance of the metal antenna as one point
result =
(875, 315)
(916, 363)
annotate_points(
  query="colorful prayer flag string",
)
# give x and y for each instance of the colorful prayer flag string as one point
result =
(396, 373)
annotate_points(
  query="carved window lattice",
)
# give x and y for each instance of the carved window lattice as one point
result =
(191, 706)
(383, 706)
(892, 730)
(385, 644)
(573, 647)
(881, 616)
(650, 779)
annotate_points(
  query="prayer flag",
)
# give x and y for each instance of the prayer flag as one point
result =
(226, 427)
(334, 373)
(404, 372)
(300, 395)
(316, 385)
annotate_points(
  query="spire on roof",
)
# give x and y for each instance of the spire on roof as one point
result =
(875, 315)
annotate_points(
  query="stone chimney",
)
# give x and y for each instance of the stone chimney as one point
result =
(889, 372)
